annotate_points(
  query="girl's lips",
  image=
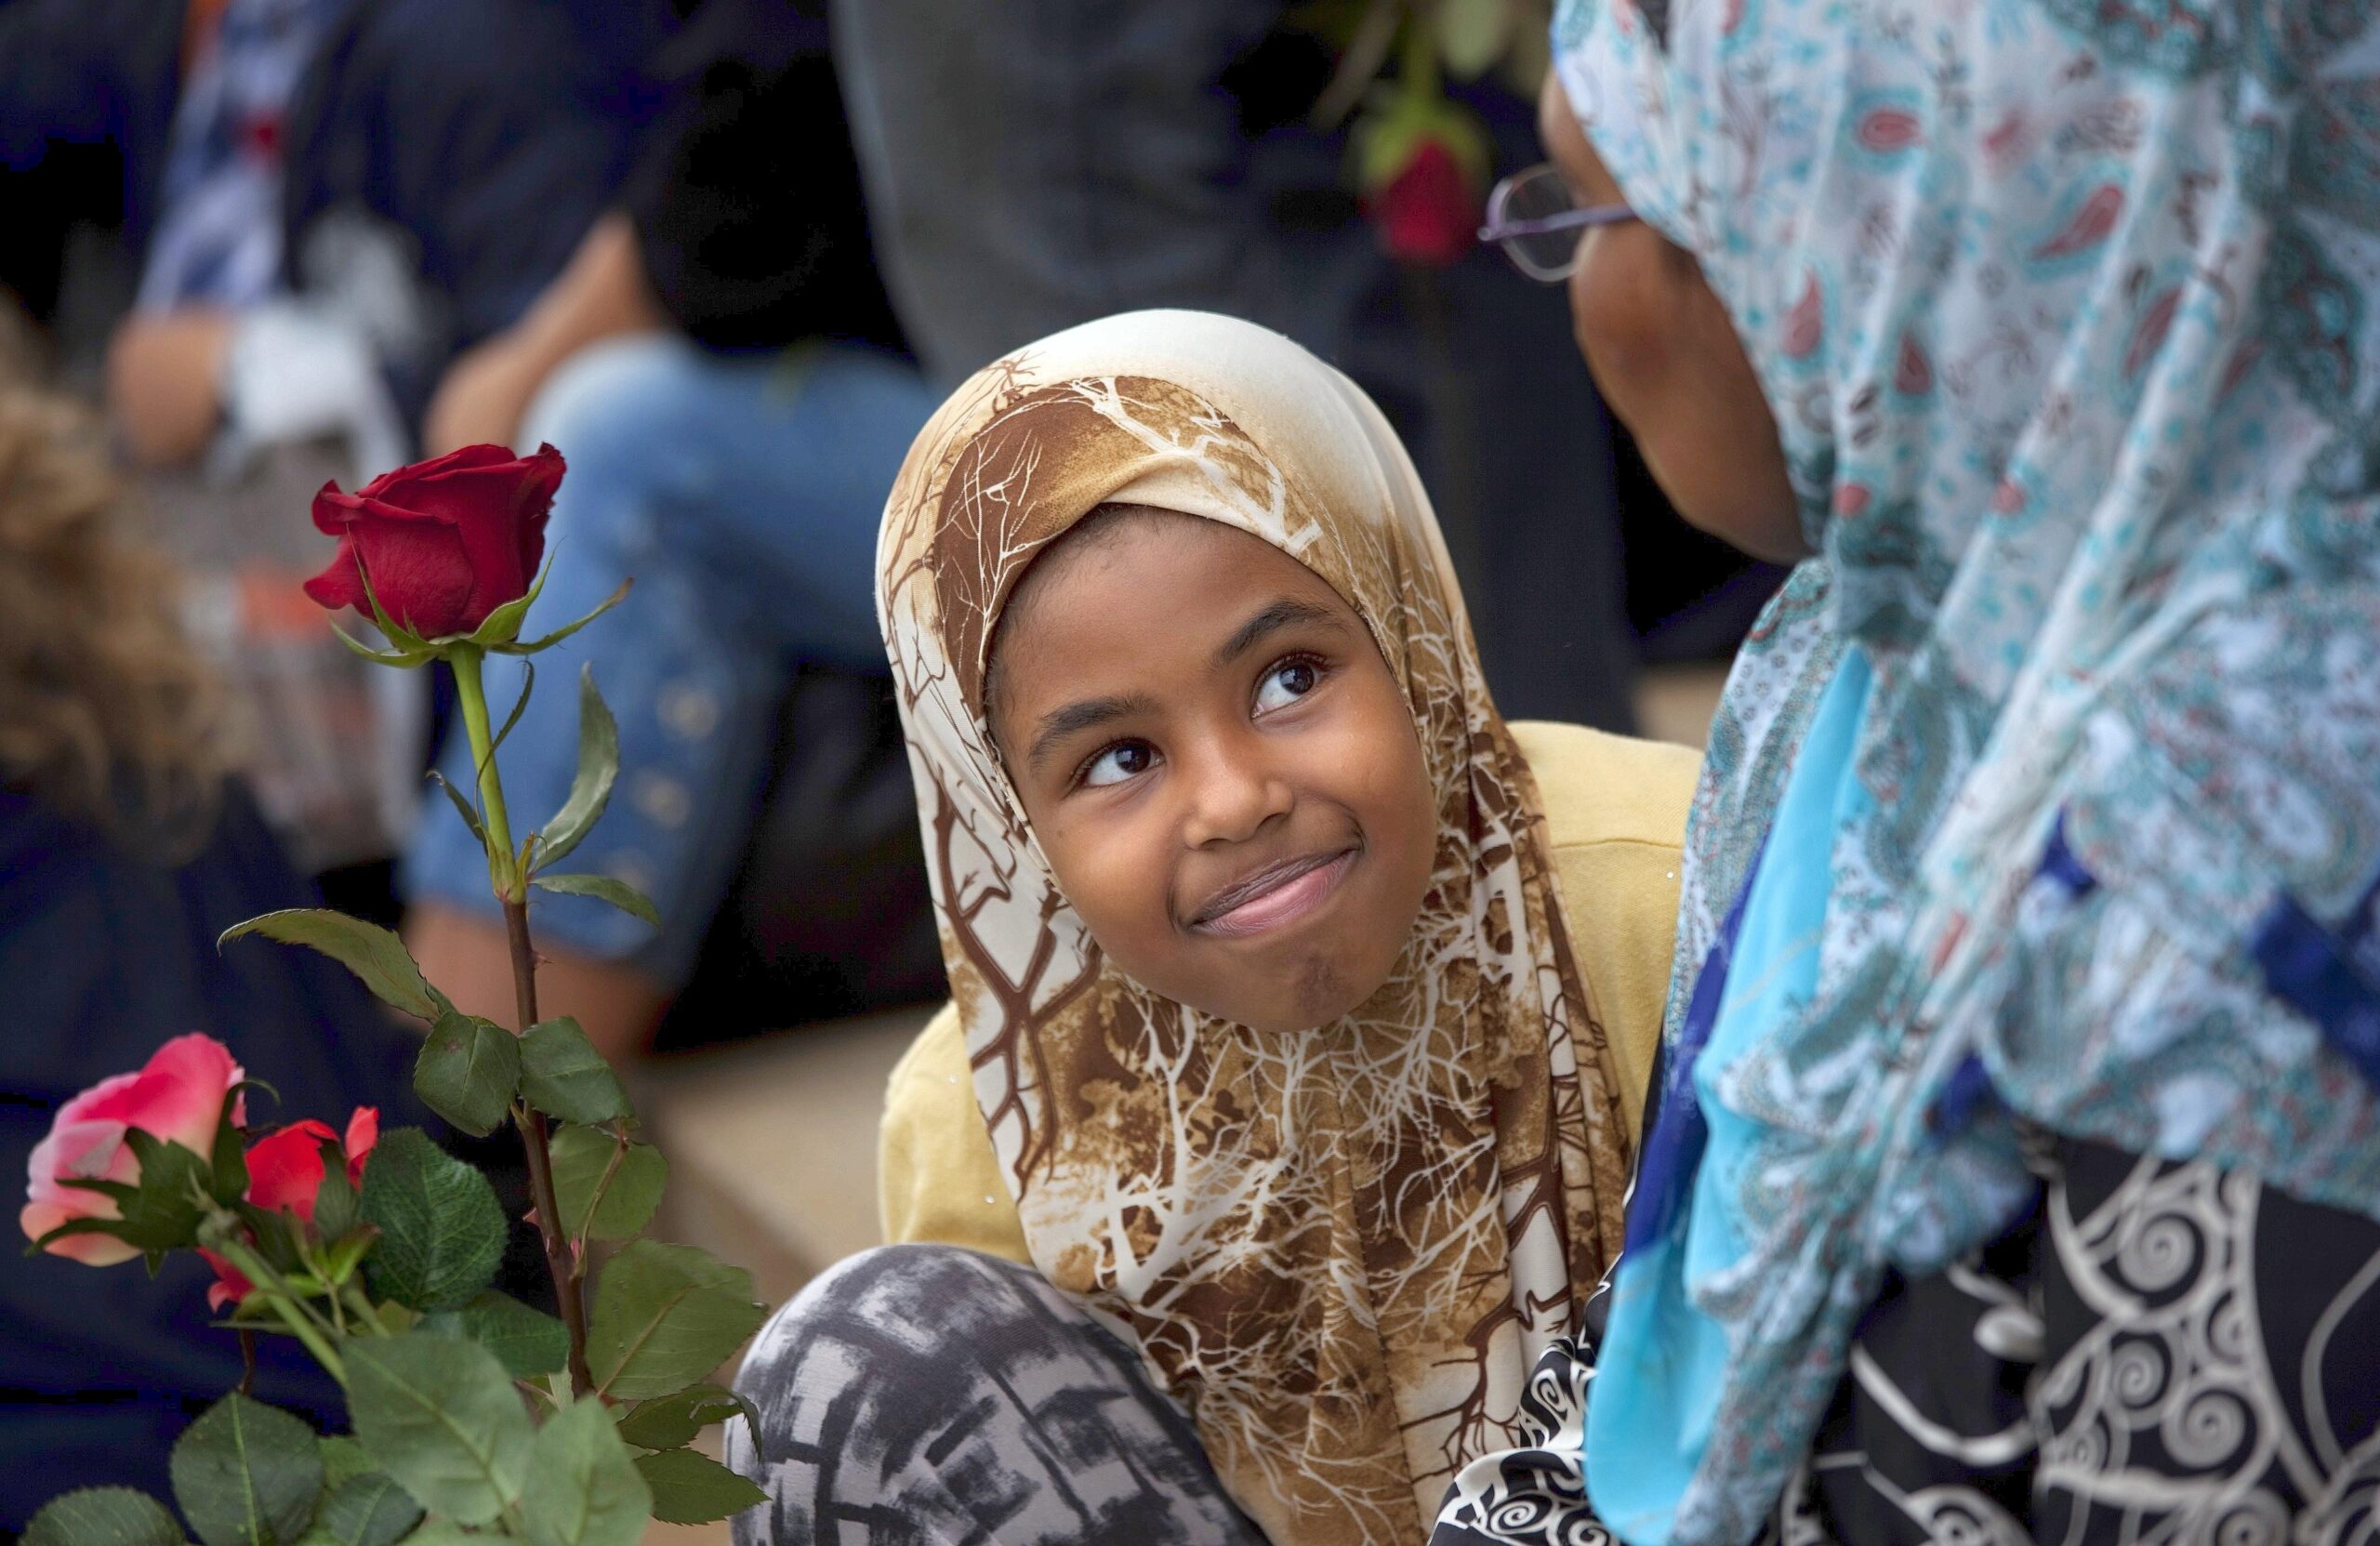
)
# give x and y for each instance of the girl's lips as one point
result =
(1298, 890)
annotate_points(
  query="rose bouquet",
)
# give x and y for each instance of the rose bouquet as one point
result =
(474, 1414)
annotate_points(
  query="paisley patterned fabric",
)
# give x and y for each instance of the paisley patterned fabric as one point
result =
(1343, 1251)
(2162, 1351)
(2065, 310)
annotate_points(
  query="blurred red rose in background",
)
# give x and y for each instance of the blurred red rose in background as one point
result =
(1428, 214)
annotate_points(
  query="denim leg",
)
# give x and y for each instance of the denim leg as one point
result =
(743, 496)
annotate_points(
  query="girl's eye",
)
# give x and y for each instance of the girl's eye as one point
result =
(1285, 683)
(1119, 762)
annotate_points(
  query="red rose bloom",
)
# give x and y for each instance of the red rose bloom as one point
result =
(1428, 214)
(446, 542)
(284, 1174)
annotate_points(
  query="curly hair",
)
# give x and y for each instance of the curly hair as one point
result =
(106, 715)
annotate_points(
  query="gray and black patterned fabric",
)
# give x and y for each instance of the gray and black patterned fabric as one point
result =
(916, 1396)
(2164, 1353)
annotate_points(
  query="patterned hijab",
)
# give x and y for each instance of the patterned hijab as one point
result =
(1343, 1249)
(2066, 309)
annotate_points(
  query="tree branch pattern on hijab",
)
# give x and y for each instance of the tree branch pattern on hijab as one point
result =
(1342, 1250)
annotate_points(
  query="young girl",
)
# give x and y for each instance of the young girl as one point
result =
(1301, 1007)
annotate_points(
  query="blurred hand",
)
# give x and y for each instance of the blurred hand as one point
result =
(163, 382)
(485, 394)
(487, 390)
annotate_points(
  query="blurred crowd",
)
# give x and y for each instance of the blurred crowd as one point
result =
(725, 255)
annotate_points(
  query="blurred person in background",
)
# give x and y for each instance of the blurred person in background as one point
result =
(125, 851)
(1030, 167)
(319, 201)
(715, 363)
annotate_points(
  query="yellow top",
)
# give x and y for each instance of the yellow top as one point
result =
(1615, 813)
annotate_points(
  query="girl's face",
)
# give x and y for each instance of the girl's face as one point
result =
(1220, 770)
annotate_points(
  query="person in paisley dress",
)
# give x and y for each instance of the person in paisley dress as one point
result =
(2012, 1169)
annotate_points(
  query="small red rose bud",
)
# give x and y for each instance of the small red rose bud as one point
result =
(1428, 214)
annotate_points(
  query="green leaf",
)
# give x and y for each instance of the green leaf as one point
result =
(343, 1461)
(564, 1076)
(442, 1231)
(402, 659)
(228, 1180)
(690, 1488)
(1387, 138)
(583, 1488)
(462, 807)
(161, 1211)
(603, 888)
(441, 1416)
(467, 1070)
(526, 1341)
(520, 707)
(336, 1207)
(175, 1183)
(549, 641)
(672, 1421)
(371, 1510)
(374, 954)
(503, 624)
(590, 788)
(1471, 35)
(445, 1532)
(581, 1157)
(665, 1317)
(103, 1516)
(247, 1474)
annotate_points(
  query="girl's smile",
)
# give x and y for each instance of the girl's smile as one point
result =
(1219, 766)
(1276, 897)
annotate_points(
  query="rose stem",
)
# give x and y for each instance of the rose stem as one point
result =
(541, 1164)
(504, 870)
(285, 1303)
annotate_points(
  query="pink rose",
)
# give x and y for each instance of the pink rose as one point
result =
(284, 1174)
(178, 1098)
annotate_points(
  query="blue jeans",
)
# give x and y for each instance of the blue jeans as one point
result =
(743, 496)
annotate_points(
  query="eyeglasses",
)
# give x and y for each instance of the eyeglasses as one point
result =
(1533, 218)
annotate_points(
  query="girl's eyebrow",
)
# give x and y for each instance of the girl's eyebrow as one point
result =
(1075, 717)
(1286, 613)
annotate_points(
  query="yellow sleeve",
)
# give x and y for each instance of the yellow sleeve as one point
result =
(937, 1179)
(1625, 957)
(1615, 814)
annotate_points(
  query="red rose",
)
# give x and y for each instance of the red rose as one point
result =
(446, 542)
(178, 1097)
(284, 1174)
(1428, 214)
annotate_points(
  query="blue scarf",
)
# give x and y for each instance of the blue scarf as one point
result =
(2063, 310)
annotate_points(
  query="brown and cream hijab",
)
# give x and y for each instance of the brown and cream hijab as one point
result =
(1343, 1249)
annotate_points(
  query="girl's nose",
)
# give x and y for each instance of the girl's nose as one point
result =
(1233, 795)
